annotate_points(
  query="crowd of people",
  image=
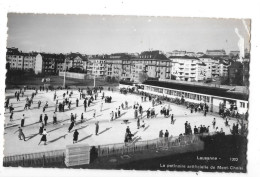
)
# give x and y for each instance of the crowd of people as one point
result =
(64, 102)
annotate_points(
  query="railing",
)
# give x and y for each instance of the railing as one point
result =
(126, 148)
(39, 159)
(57, 157)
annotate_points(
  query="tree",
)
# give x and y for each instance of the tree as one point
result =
(142, 77)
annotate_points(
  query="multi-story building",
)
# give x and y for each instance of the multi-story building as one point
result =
(187, 68)
(49, 63)
(96, 66)
(76, 61)
(118, 65)
(15, 58)
(216, 52)
(19, 60)
(215, 66)
(154, 63)
(29, 61)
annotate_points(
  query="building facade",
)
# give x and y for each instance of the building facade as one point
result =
(75, 61)
(96, 66)
(49, 63)
(154, 63)
(20, 60)
(216, 52)
(188, 68)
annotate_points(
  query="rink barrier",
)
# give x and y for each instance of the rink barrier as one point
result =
(38, 159)
(52, 158)
(159, 143)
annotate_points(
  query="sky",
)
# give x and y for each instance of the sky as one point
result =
(89, 34)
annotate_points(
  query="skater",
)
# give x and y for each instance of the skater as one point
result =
(138, 123)
(214, 123)
(75, 136)
(71, 117)
(82, 117)
(11, 116)
(97, 127)
(54, 118)
(77, 102)
(44, 137)
(22, 121)
(41, 128)
(71, 126)
(21, 134)
(45, 119)
(39, 104)
(172, 121)
(40, 120)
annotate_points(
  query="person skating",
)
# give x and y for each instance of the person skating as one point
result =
(75, 136)
(44, 137)
(172, 119)
(22, 121)
(97, 127)
(77, 102)
(138, 123)
(54, 118)
(21, 134)
(82, 118)
(41, 128)
(45, 119)
(71, 126)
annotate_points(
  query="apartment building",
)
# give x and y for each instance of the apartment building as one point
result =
(49, 63)
(154, 63)
(76, 61)
(215, 66)
(187, 68)
(96, 66)
(20, 60)
(118, 65)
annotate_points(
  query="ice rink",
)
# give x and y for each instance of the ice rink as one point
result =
(109, 132)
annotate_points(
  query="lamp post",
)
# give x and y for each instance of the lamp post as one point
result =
(64, 79)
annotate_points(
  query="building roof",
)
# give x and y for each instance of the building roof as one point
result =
(214, 91)
(29, 54)
(121, 56)
(221, 50)
(13, 51)
(71, 56)
(152, 55)
(205, 56)
(48, 56)
(185, 57)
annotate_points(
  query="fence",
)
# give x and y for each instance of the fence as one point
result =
(171, 142)
(39, 159)
(57, 157)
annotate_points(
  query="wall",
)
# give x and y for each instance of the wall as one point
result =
(73, 75)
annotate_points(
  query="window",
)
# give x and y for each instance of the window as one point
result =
(242, 104)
